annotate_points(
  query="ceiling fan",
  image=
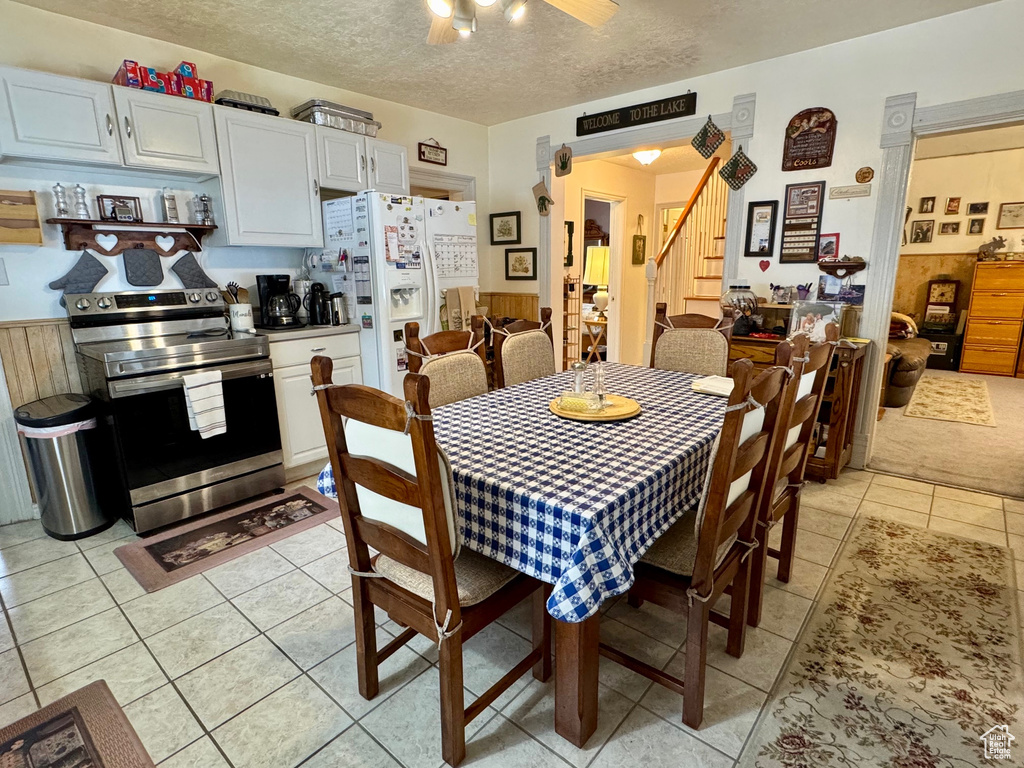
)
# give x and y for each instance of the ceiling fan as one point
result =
(453, 18)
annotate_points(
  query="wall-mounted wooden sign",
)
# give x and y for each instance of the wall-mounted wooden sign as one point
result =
(638, 114)
(810, 140)
(433, 153)
(801, 223)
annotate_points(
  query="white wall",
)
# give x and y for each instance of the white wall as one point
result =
(36, 39)
(992, 177)
(675, 187)
(944, 59)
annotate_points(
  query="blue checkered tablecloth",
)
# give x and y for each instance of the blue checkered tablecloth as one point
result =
(576, 504)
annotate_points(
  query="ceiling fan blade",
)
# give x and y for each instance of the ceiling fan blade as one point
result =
(592, 12)
(441, 32)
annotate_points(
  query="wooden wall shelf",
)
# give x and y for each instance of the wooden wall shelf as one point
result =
(82, 233)
(842, 268)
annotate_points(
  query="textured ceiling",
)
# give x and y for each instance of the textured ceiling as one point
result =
(548, 60)
(970, 142)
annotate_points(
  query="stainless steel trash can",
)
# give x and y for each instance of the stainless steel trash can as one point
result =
(63, 444)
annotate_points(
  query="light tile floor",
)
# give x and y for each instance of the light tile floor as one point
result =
(252, 663)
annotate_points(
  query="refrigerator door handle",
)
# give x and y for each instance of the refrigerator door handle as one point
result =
(430, 305)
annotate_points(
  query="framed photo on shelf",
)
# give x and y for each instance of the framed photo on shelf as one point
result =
(118, 208)
(977, 209)
(506, 228)
(828, 246)
(811, 317)
(761, 228)
(921, 231)
(949, 228)
(520, 263)
(952, 206)
(1011, 216)
(927, 205)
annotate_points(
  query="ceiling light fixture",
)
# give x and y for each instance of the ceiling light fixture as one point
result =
(647, 156)
(485, 3)
(442, 8)
(464, 18)
(513, 9)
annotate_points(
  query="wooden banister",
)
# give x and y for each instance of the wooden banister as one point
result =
(686, 211)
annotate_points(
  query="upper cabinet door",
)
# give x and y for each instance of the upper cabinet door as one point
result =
(57, 118)
(166, 132)
(342, 159)
(268, 172)
(389, 167)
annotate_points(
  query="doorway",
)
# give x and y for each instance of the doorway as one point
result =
(595, 325)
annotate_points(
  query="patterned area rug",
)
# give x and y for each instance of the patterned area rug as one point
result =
(183, 551)
(85, 729)
(911, 655)
(952, 399)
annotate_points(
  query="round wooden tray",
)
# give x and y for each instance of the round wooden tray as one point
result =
(619, 409)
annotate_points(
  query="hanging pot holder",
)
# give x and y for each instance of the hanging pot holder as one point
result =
(82, 277)
(190, 273)
(142, 267)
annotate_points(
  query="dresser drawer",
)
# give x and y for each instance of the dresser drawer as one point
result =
(997, 304)
(986, 359)
(761, 354)
(301, 351)
(999, 277)
(993, 333)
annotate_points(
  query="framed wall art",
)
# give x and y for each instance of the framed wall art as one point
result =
(949, 228)
(1011, 216)
(927, 205)
(520, 263)
(431, 152)
(760, 241)
(977, 209)
(952, 206)
(810, 140)
(921, 231)
(801, 222)
(828, 246)
(975, 226)
(506, 228)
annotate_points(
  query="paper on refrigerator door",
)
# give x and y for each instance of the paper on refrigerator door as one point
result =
(455, 255)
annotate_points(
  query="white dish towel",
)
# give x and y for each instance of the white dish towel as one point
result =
(204, 399)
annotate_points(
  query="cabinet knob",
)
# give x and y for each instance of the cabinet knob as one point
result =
(373, 165)
(316, 188)
(110, 126)
(362, 162)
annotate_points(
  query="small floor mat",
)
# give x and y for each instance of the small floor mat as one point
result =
(952, 399)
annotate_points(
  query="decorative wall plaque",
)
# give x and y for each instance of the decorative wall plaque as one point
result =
(810, 140)
(638, 114)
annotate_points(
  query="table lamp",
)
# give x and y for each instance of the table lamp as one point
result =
(597, 274)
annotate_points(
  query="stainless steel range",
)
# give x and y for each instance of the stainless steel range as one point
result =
(133, 350)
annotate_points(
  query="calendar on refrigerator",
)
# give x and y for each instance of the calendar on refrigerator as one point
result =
(455, 255)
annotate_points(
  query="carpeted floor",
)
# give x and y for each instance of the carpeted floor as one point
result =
(971, 456)
(910, 656)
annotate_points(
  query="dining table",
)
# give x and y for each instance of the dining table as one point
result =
(576, 504)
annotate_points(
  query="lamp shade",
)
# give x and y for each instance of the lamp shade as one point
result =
(597, 265)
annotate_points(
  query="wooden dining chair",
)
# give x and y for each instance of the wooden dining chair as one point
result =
(454, 361)
(810, 364)
(690, 344)
(706, 552)
(523, 351)
(396, 495)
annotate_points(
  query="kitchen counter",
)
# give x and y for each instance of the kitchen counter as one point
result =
(308, 332)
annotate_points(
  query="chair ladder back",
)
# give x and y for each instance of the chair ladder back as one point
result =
(662, 323)
(519, 326)
(728, 512)
(374, 408)
(443, 342)
(814, 362)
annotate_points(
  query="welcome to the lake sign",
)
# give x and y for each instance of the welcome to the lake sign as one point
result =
(639, 114)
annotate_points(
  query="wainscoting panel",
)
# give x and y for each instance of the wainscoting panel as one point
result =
(38, 359)
(523, 306)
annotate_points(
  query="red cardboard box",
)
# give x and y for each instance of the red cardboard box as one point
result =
(193, 88)
(187, 69)
(169, 83)
(128, 74)
(151, 80)
(206, 90)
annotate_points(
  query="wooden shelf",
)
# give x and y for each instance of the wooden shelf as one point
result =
(842, 268)
(80, 234)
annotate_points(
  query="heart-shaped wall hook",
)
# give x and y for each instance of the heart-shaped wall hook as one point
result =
(764, 264)
(106, 242)
(166, 242)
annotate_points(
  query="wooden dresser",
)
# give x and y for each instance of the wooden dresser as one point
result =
(992, 340)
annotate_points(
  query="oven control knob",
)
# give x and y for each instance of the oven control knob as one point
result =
(83, 304)
(104, 303)
(195, 298)
(211, 296)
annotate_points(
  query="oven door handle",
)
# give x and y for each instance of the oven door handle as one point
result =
(143, 384)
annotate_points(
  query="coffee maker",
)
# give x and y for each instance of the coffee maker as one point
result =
(278, 305)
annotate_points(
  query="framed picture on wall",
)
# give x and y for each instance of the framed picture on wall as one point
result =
(828, 246)
(977, 209)
(927, 205)
(921, 231)
(949, 228)
(975, 226)
(520, 263)
(761, 228)
(506, 228)
(1011, 216)
(952, 206)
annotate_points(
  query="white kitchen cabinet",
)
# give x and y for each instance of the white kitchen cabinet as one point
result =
(389, 167)
(166, 133)
(353, 163)
(269, 178)
(57, 118)
(302, 432)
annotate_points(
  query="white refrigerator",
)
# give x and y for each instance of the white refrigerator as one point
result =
(394, 258)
